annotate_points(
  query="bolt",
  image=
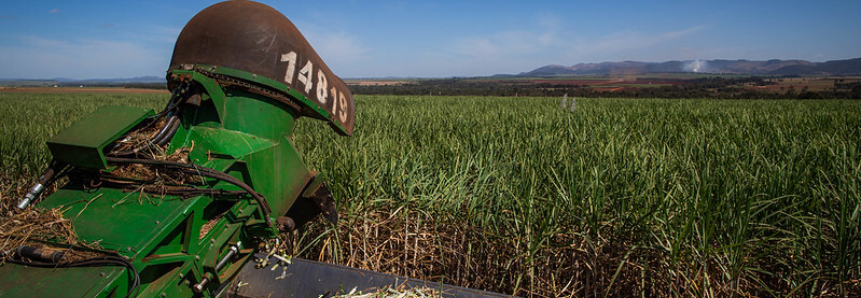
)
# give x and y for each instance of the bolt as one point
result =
(164, 294)
(102, 274)
(156, 222)
(197, 258)
(181, 275)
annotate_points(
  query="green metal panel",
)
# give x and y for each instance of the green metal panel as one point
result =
(260, 116)
(82, 144)
(66, 282)
(128, 223)
(283, 182)
(227, 142)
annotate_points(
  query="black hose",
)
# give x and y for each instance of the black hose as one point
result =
(165, 134)
(206, 172)
(184, 191)
(170, 127)
(134, 290)
(167, 131)
(176, 99)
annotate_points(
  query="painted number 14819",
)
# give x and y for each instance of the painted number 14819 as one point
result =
(305, 76)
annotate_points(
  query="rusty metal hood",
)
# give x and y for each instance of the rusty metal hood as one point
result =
(256, 38)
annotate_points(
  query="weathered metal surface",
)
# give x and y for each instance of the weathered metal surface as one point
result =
(256, 38)
(305, 278)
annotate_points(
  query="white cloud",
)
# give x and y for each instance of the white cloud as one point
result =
(541, 38)
(549, 21)
(154, 33)
(37, 57)
(54, 10)
(548, 43)
(477, 47)
(340, 48)
(342, 52)
(546, 40)
(628, 41)
(511, 44)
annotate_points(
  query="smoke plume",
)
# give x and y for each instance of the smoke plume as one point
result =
(695, 66)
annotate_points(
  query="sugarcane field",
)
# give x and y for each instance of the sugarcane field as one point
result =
(261, 161)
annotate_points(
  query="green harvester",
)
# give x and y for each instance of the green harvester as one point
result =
(227, 180)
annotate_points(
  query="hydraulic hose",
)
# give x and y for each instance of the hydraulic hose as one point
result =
(203, 171)
(175, 190)
(167, 132)
(171, 112)
(48, 177)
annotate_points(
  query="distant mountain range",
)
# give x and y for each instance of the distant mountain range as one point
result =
(718, 66)
(772, 67)
(87, 82)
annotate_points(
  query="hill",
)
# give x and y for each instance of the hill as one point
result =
(139, 82)
(717, 66)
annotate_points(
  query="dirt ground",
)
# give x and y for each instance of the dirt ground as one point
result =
(377, 82)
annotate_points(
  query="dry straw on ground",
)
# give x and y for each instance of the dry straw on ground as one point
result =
(394, 292)
(415, 245)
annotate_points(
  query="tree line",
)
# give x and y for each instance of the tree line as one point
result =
(710, 87)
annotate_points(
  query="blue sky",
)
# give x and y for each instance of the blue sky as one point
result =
(120, 39)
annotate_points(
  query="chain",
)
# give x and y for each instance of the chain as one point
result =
(253, 88)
